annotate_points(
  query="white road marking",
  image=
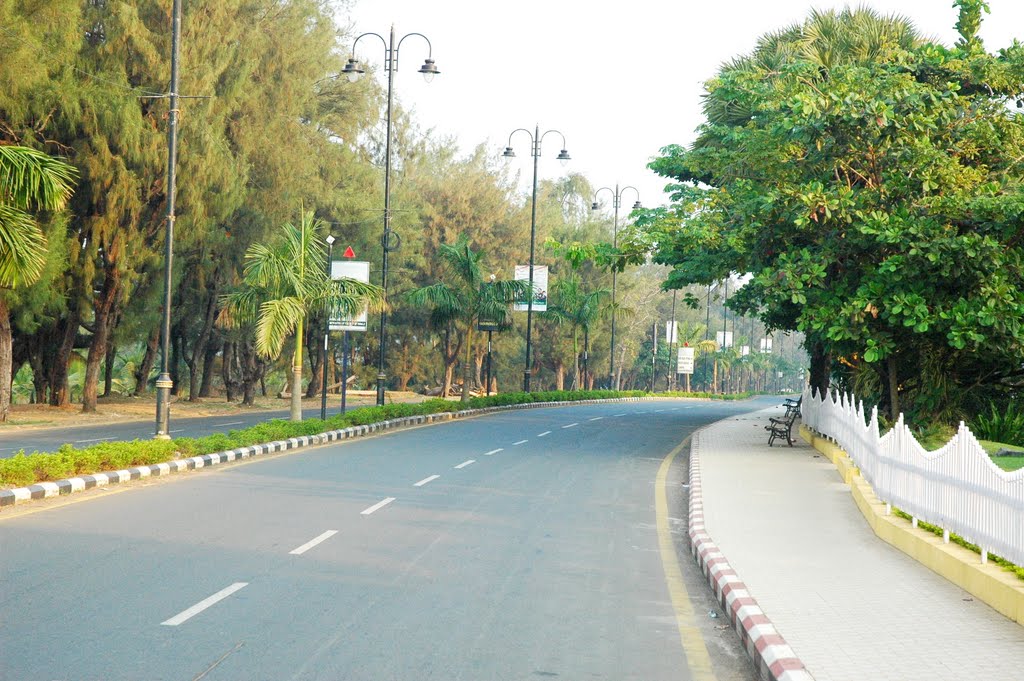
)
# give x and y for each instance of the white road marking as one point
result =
(185, 615)
(313, 542)
(675, 408)
(233, 423)
(520, 442)
(571, 425)
(97, 439)
(465, 463)
(426, 480)
(546, 432)
(179, 430)
(493, 451)
(376, 507)
(620, 414)
(658, 411)
(596, 418)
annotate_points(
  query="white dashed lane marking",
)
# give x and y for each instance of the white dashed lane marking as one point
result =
(520, 442)
(313, 542)
(426, 480)
(571, 425)
(546, 432)
(493, 451)
(465, 463)
(376, 507)
(185, 615)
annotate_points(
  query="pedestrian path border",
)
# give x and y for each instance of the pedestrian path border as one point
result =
(1001, 590)
(773, 658)
(43, 490)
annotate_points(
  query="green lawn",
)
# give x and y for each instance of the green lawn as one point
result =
(1007, 463)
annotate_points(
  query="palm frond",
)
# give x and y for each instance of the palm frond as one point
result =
(22, 247)
(32, 179)
(278, 319)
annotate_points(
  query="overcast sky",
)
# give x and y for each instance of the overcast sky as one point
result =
(618, 84)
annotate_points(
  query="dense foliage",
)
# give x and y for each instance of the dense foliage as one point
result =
(871, 183)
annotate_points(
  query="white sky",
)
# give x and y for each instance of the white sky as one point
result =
(619, 82)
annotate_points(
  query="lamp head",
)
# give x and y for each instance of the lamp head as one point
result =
(637, 206)
(353, 69)
(508, 153)
(429, 70)
(593, 206)
(563, 157)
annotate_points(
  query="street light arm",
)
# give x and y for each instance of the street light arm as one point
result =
(529, 134)
(430, 48)
(548, 133)
(635, 191)
(596, 193)
(355, 42)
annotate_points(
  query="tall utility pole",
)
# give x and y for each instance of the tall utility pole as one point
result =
(164, 382)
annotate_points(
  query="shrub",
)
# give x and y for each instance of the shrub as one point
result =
(1006, 426)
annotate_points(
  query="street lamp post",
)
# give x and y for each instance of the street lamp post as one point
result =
(163, 381)
(535, 144)
(353, 69)
(613, 382)
(327, 333)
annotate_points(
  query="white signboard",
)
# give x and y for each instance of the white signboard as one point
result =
(766, 345)
(685, 361)
(744, 350)
(724, 339)
(349, 269)
(540, 287)
(671, 332)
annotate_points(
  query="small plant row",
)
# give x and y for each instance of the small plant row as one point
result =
(26, 469)
(957, 539)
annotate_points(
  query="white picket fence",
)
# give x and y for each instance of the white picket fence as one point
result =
(957, 487)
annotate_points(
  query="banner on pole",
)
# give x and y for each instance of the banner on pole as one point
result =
(685, 361)
(724, 339)
(671, 332)
(349, 269)
(540, 287)
(766, 345)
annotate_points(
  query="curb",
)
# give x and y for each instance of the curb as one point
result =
(43, 490)
(772, 656)
(989, 583)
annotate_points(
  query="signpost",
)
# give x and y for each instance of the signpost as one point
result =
(685, 360)
(360, 271)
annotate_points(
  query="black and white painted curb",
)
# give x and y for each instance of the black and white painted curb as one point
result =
(772, 656)
(42, 490)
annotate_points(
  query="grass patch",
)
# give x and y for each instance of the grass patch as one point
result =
(957, 539)
(25, 469)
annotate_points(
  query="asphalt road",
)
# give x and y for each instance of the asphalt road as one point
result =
(519, 545)
(51, 439)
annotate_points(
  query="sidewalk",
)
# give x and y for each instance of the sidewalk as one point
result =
(849, 605)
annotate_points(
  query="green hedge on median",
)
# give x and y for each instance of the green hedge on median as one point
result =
(25, 469)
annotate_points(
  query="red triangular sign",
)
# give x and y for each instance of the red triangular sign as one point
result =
(349, 253)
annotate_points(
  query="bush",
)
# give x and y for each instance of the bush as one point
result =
(1006, 426)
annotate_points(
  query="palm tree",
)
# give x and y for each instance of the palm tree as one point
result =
(283, 283)
(572, 305)
(464, 298)
(29, 181)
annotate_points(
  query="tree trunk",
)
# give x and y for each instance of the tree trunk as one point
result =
(559, 376)
(296, 397)
(108, 370)
(227, 363)
(146, 365)
(6, 358)
(209, 359)
(201, 343)
(101, 332)
(894, 388)
(175, 364)
(821, 363)
(60, 395)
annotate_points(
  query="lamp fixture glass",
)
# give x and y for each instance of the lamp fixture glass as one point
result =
(353, 69)
(429, 70)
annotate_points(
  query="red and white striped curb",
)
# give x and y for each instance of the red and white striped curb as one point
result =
(43, 490)
(774, 659)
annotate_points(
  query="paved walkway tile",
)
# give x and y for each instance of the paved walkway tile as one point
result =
(850, 605)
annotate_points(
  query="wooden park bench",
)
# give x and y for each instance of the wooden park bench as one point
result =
(782, 427)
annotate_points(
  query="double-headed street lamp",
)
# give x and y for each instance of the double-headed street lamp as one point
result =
(535, 141)
(353, 69)
(613, 382)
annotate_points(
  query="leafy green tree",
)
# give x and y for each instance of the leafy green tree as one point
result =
(572, 304)
(465, 297)
(876, 215)
(284, 283)
(29, 181)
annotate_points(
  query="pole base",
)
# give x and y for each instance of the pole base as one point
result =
(526, 381)
(381, 380)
